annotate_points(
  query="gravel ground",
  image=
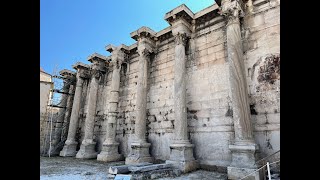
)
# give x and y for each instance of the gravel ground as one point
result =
(70, 168)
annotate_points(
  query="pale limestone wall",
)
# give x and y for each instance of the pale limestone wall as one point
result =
(44, 95)
(45, 77)
(44, 99)
(263, 77)
(209, 106)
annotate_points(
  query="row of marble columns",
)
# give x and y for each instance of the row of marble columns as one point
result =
(181, 150)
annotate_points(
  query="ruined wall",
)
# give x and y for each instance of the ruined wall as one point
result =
(262, 62)
(208, 101)
(44, 100)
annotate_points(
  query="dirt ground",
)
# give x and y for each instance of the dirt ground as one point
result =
(70, 168)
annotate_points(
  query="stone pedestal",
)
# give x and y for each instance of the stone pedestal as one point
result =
(109, 153)
(181, 156)
(69, 149)
(243, 161)
(139, 153)
(87, 150)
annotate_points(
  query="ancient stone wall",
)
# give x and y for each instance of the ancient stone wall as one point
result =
(208, 98)
(262, 60)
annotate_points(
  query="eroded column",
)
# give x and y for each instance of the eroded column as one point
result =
(140, 146)
(66, 122)
(56, 144)
(87, 148)
(109, 150)
(70, 146)
(181, 150)
(59, 121)
(243, 148)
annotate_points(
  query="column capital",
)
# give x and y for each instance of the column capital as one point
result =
(118, 54)
(68, 75)
(232, 9)
(181, 19)
(82, 70)
(98, 65)
(181, 38)
(143, 32)
(146, 40)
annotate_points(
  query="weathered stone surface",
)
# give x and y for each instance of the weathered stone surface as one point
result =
(135, 169)
(109, 152)
(74, 119)
(212, 119)
(124, 169)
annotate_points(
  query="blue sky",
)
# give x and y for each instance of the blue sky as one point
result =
(71, 30)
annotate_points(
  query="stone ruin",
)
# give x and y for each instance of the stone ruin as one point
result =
(202, 93)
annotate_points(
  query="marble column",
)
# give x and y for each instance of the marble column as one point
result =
(58, 124)
(243, 148)
(70, 146)
(181, 150)
(66, 122)
(140, 146)
(87, 148)
(109, 150)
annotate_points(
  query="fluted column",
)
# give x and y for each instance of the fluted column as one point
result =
(70, 146)
(109, 150)
(140, 146)
(87, 148)
(243, 148)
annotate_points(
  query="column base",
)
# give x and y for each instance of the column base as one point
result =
(69, 149)
(140, 153)
(109, 153)
(181, 156)
(243, 161)
(87, 150)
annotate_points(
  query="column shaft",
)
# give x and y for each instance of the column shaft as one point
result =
(67, 114)
(238, 84)
(74, 119)
(70, 146)
(140, 124)
(91, 111)
(59, 121)
(109, 151)
(180, 112)
(87, 148)
(113, 106)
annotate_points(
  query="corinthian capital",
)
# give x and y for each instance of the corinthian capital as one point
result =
(144, 52)
(181, 38)
(95, 73)
(232, 10)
